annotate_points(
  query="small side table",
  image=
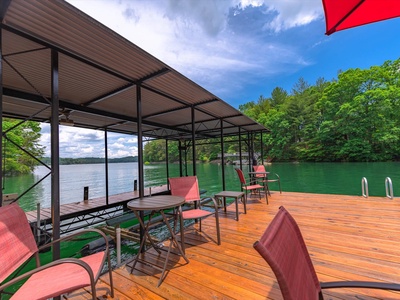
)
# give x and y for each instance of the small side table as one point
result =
(236, 195)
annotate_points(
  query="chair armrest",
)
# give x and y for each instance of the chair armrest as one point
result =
(73, 235)
(360, 284)
(49, 265)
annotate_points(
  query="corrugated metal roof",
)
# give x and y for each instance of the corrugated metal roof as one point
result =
(99, 72)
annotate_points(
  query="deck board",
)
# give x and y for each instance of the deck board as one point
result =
(348, 237)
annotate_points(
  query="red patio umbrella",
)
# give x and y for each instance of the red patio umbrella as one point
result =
(343, 14)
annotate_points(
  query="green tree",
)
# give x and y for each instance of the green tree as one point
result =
(24, 136)
(278, 96)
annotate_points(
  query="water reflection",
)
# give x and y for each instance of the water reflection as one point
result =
(328, 178)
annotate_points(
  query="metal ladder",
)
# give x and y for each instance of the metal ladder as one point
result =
(388, 187)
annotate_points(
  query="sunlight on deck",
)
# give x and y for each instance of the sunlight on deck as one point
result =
(348, 237)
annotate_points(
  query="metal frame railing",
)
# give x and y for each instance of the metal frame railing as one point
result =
(389, 188)
(364, 187)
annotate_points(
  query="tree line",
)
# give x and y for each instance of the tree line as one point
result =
(90, 160)
(354, 118)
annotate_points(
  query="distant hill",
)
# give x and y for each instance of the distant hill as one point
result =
(91, 160)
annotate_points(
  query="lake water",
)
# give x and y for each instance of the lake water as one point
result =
(327, 178)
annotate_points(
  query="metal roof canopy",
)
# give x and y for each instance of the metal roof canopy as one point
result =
(99, 75)
(57, 61)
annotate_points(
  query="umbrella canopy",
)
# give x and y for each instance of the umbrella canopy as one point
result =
(343, 14)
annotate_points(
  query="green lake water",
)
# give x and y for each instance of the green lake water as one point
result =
(328, 178)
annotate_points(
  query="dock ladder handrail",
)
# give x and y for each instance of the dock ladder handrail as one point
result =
(389, 188)
(364, 187)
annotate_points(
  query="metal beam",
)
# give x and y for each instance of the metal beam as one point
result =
(55, 153)
(1, 103)
(193, 142)
(222, 155)
(109, 94)
(3, 8)
(106, 161)
(140, 140)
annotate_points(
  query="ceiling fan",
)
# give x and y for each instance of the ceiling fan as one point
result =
(64, 117)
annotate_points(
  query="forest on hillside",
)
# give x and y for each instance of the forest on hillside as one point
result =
(353, 118)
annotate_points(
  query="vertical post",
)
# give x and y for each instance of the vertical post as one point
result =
(240, 149)
(185, 148)
(222, 154)
(86, 194)
(3, 10)
(261, 148)
(140, 153)
(106, 161)
(180, 158)
(1, 115)
(140, 140)
(38, 222)
(55, 153)
(249, 150)
(193, 142)
(118, 246)
(166, 161)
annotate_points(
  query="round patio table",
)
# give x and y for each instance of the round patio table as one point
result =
(157, 204)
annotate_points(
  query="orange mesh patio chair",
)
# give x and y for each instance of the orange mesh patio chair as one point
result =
(284, 249)
(248, 187)
(265, 179)
(188, 187)
(53, 279)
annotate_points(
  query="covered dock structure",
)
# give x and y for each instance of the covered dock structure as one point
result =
(58, 65)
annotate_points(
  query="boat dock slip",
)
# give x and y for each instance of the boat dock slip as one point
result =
(81, 214)
(348, 237)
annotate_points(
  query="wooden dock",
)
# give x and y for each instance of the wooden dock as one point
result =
(348, 237)
(92, 205)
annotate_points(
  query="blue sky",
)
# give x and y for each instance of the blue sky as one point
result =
(236, 49)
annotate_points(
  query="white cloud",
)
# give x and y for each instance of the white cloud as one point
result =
(205, 40)
(290, 13)
(80, 142)
(225, 46)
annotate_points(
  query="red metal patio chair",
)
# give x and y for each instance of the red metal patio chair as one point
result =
(265, 179)
(188, 187)
(248, 187)
(284, 249)
(53, 279)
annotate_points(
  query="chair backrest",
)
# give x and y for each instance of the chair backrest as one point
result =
(259, 168)
(17, 241)
(283, 247)
(241, 176)
(187, 187)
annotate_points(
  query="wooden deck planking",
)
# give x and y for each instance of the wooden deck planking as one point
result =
(348, 237)
(82, 206)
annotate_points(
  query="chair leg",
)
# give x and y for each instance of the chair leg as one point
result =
(280, 189)
(181, 227)
(218, 231)
(111, 279)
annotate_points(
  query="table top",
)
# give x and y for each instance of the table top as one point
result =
(156, 202)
